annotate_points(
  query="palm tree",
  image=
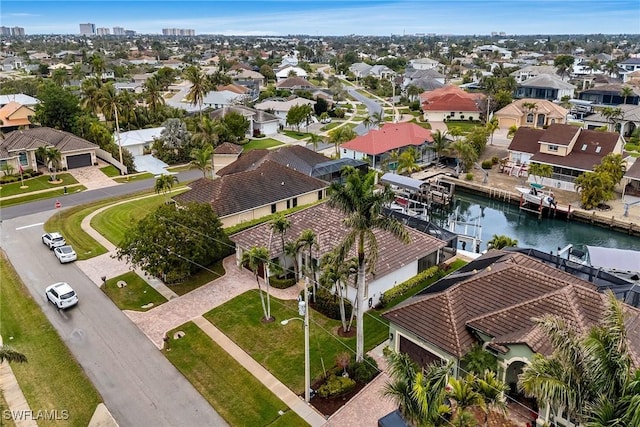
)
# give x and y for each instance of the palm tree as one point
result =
(336, 274)
(200, 85)
(499, 241)
(456, 132)
(109, 104)
(152, 92)
(492, 126)
(362, 206)
(594, 188)
(612, 114)
(291, 250)
(60, 76)
(308, 240)
(315, 140)
(466, 153)
(540, 170)
(493, 392)
(201, 159)
(164, 184)
(90, 89)
(10, 355)
(626, 92)
(464, 394)
(208, 133)
(97, 66)
(407, 162)
(51, 157)
(280, 225)
(413, 92)
(440, 144)
(340, 135)
(256, 258)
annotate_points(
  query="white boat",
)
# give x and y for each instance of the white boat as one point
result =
(536, 194)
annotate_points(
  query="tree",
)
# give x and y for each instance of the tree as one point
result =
(499, 241)
(594, 188)
(60, 76)
(612, 114)
(152, 92)
(90, 90)
(614, 165)
(200, 85)
(280, 224)
(10, 355)
(51, 156)
(626, 92)
(174, 142)
(407, 162)
(540, 170)
(236, 126)
(164, 184)
(208, 134)
(58, 107)
(268, 73)
(492, 391)
(465, 153)
(109, 103)
(201, 159)
(492, 126)
(315, 140)
(308, 240)
(590, 373)
(257, 258)
(336, 274)
(563, 64)
(298, 114)
(440, 144)
(97, 64)
(465, 396)
(362, 206)
(340, 135)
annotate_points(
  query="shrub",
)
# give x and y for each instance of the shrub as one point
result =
(495, 160)
(329, 304)
(364, 371)
(469, 176)
(407, 285)
(414, 105)
(470, 119)
(487, 164)
(8, 179)
(282, 282)
(336, 386)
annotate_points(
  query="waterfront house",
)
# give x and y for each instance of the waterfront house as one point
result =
(625, 124)
(545, 86)
(530, 71)
(610, 94)
(570, 150)
(628, 66)
(450, 103)
(537, 113)
(396, 262)
(631, 183)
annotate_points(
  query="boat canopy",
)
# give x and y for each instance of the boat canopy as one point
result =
(537, 186)
(615, 259)
(402, 181)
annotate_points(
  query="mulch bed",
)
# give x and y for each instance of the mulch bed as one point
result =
(327, 406)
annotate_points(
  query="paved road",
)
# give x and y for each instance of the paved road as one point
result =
(138, 384)
(372, 106)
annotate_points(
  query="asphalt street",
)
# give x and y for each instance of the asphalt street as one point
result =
(372, 106)
(138, 384)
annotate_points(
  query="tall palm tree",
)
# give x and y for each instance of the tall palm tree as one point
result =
(309, 240)
(164, 184)
(90, 89)
(440, 144)
(340, 135)
(200, 85)
(626, 92)
(612, 114)
(362, 204)
(466, 153)
(208, 132)
(110, 104)
(492, 126)
(315, 140)
(291, 250)
(280, 225)
(10, 355)
(201, 159)
(51, 157)
(152, 92)
(256, 258)
(336, 274)
(98, 66)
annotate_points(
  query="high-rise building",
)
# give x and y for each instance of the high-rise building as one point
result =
(17, 31)
(178, 32)
(87, 29)
(5, 31)
(129, 33)
(103, 31)
(118, 31)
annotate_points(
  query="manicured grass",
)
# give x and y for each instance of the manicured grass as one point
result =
(201, 278)
(57, 193)
(36, 184)
(180, 168)
(110, 171)
(280, 348)
(464, 125)
(256, 144)
(52, 379)
(330, 126)
(133, 296)
(232, 391)
(296, 135)
(134, 177)
(4, 422)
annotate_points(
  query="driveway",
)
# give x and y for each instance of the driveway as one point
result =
(148, 163)
(92, 177)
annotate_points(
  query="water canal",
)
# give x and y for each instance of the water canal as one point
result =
(548, 234)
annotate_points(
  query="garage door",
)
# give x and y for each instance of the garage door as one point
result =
(78, 161)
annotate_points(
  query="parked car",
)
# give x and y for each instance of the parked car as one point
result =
(61, 295)
(65, 254)
(53, 240)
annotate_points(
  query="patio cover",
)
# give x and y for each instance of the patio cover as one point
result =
(402, 181)
(617, 259)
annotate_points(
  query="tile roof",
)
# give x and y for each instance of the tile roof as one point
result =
(10, 109)
(451, 102)
(549, 108)
(634, 171)
(295, 82)
(328, 224)
(481, 299)
(294, 157)
(31, 139)
(283, 106)
(390, 137)
(547, 81)
(228, 148)
(559, 134)
(269, 183)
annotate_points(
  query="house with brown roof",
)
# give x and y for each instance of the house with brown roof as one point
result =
(377, 144)
(19, 148)
(295, 83)
(631, 181)
(254, 193)
(493, 302)
(450, 103)
(536, 113)
(14, 115)
(569, 150)
(396, 262)
(260, 122)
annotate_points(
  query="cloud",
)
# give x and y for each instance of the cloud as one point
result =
(22, 14)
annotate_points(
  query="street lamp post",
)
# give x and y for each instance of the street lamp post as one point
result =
(303, 310)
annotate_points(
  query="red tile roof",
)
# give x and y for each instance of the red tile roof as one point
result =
(390, 137)
(450, 98)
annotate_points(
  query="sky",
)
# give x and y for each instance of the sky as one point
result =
(329, 17)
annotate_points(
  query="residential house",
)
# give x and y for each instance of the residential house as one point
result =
(628, 66)
(289, 71)
(536, 113)
(493, 302)
(570, 150)
(280, 107)
(19, 148)
(241, 74)
(493, 51)
(14, 115)
(139, 142)
(20, 98)
(424, 64)
(425, 79)
(295, 83)
(225, 98)
(361, 70)
(530, 71)
(625, 124)
(545, 86)
(451, 103)
(225, 154)
(377, 144)
(12, 63)
(260, 122)
(396, 263)
(255, 193)
(610, 94)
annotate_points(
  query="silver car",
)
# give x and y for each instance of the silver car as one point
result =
(61, 295)
(65, 254)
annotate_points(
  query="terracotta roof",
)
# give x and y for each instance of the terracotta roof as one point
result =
(515, 279)
(447, 90)
(233, 88)
(451, 102)
(31, 139)
(239, 192)
(548, 108)
(328, 224)
(228, 148)
(390, 137)
(294, 157)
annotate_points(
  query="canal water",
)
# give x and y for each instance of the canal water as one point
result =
(547, 234)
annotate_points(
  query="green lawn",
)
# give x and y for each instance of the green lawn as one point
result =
(52, 379)
(133, 296)
(232, 391)
(3, 407)
(134, 177)
(256, 144)
(36, 184)
(110, 171)
(330, 126)
(201, 278)
(280, 349)
(57, 193)
(296, 135)
(464, 125)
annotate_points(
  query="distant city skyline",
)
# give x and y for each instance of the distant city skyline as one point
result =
(330, 17)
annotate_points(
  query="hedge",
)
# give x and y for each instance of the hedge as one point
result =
(281, 282)
(336, 386)
(329, 304)
(402, 288)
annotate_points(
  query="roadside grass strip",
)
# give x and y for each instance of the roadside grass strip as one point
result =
(136, 294)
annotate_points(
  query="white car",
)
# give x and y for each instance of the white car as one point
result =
(61, 295)
(53, 240)
(65, 254)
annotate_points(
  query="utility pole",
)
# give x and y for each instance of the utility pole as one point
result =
(115, 109)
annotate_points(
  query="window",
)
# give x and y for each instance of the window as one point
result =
(453, 114)
(288, 204)
(23, 159)
(598, 148)
(584, 147)
(273, 208)
(553, 148)
(530, 118)
(295, 202)
(344, 151)
(320, 195)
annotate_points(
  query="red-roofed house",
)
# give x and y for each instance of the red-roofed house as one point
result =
(377, 144)
(13, 115)
(450, 103)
